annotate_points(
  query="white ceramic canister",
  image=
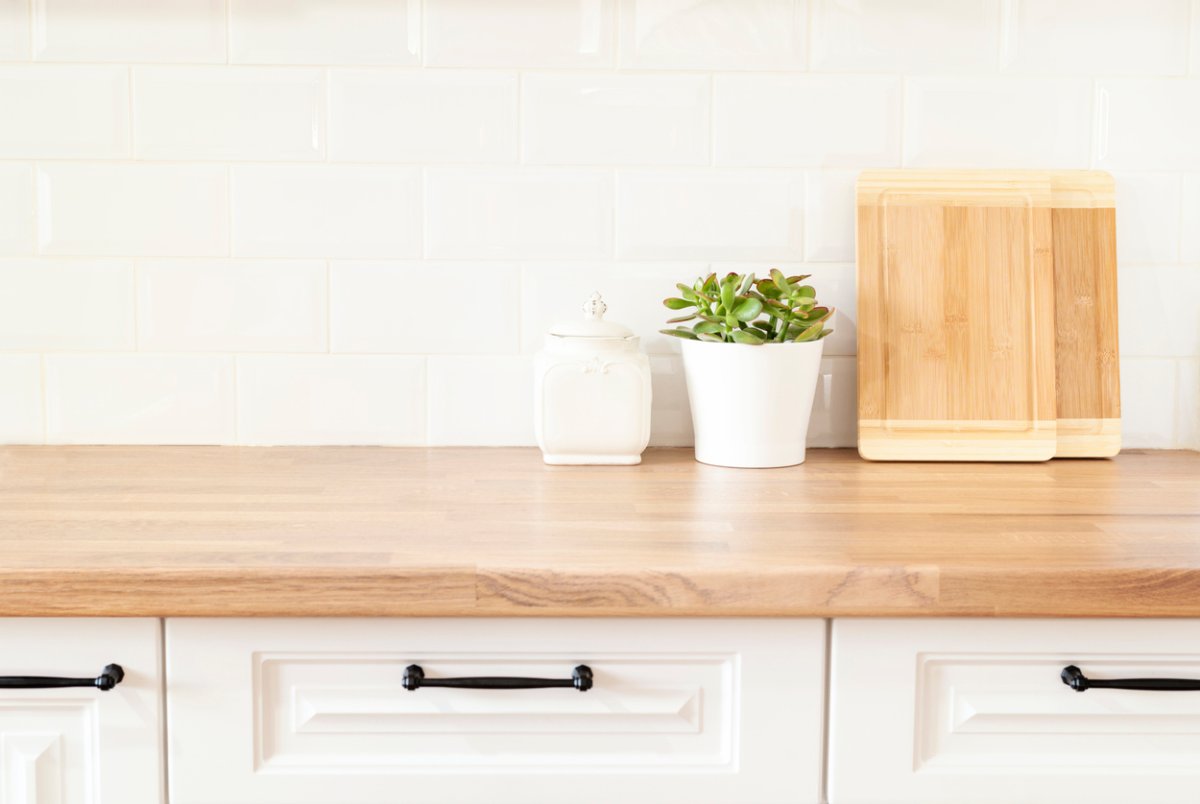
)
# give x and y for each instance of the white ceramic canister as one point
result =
(592, 392)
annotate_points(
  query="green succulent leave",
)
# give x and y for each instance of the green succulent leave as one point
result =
(737, 308)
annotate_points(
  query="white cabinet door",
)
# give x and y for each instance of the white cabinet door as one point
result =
(964, 711)
(79, 745)
(314, 711)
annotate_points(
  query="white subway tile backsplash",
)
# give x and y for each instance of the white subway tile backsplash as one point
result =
(615, 119)
(832, 121)
(1148, 124)
(139, 399)
(670, 412)
(1167, 292)
(331, 399)
(66, 304)
(834, 419)
(106, 209)
(1148, 221)
(14, 30)
(378, 307)
(1148, 402)
(259, 113)
(997, 122)
(21, 399)
(326, 211)
(1189, 246)
(730, 215)
(325, 31)
(231, 306)
(1187, 433)
(129, 30)
(829, 215)
(484, 401)
(552, 292)
(60, 111)
(511, 212)
(531, 33)
(908, 36)
(1096, 36)
(463, 116)
(16, 209)
(714, 34)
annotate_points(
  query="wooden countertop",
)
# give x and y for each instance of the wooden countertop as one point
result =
(163, 531)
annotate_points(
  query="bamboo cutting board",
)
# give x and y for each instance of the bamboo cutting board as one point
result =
(1085, 291)
(956, 316)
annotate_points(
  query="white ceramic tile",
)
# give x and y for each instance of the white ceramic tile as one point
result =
(1096, 36)
(325, 31)
(908, 36)
(1158, 310)
(16, 209)
(509, 212)
(1148, 217)
(139, 399)
(1187, 433)
(129, 30)
(836, 287)
(20, 399)
(480, 401)
(324, 399)
(829, 215)
(132, 210)
(670, 413)
(231, 306)
(1148, 124)
(326, 211)
(376, 307)
(732, 215)
(713, 34)
(58, 111)
(531, 33)
(556, 291)
(997, 122)
(14, 30)
(834, 418)
(1189, 247)
(1148, 403)
(259, 113)
(615, 119)
(59, 304)
(463, 116)
(831, 121)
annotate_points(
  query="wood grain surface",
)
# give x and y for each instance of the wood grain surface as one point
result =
(1087, 367)
(956, 315)
(176, 531)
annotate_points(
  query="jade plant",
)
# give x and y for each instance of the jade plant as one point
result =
(738, 308)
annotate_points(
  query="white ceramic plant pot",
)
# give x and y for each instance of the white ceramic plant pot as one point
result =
(750, 404)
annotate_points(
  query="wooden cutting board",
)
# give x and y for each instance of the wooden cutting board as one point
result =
(955, 316)
(1085, 289)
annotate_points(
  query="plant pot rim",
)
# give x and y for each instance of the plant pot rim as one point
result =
(708, 344)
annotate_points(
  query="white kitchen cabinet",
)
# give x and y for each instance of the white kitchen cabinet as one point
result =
(953, 710)
(80, 745)
(292, 711)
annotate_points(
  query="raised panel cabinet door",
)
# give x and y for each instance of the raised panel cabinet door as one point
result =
(317, 711)
(970, 710)
(80, 745)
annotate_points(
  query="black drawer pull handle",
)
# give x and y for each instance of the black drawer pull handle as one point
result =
(414, 679)
(1074, 678)
(109, 677)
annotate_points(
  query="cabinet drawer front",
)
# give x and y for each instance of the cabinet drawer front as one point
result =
(80, 745)
(975, 710)
(303, 711)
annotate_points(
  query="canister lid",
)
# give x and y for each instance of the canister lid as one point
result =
(592, 324)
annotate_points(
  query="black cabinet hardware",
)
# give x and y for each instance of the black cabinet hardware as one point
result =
(414, 679)
(109, 677)
(1074, 678)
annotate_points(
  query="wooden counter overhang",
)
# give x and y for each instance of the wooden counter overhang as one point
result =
(370, 531)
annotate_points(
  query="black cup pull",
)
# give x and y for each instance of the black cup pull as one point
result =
(414, 679)
(1074, 678)
(109, 677)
